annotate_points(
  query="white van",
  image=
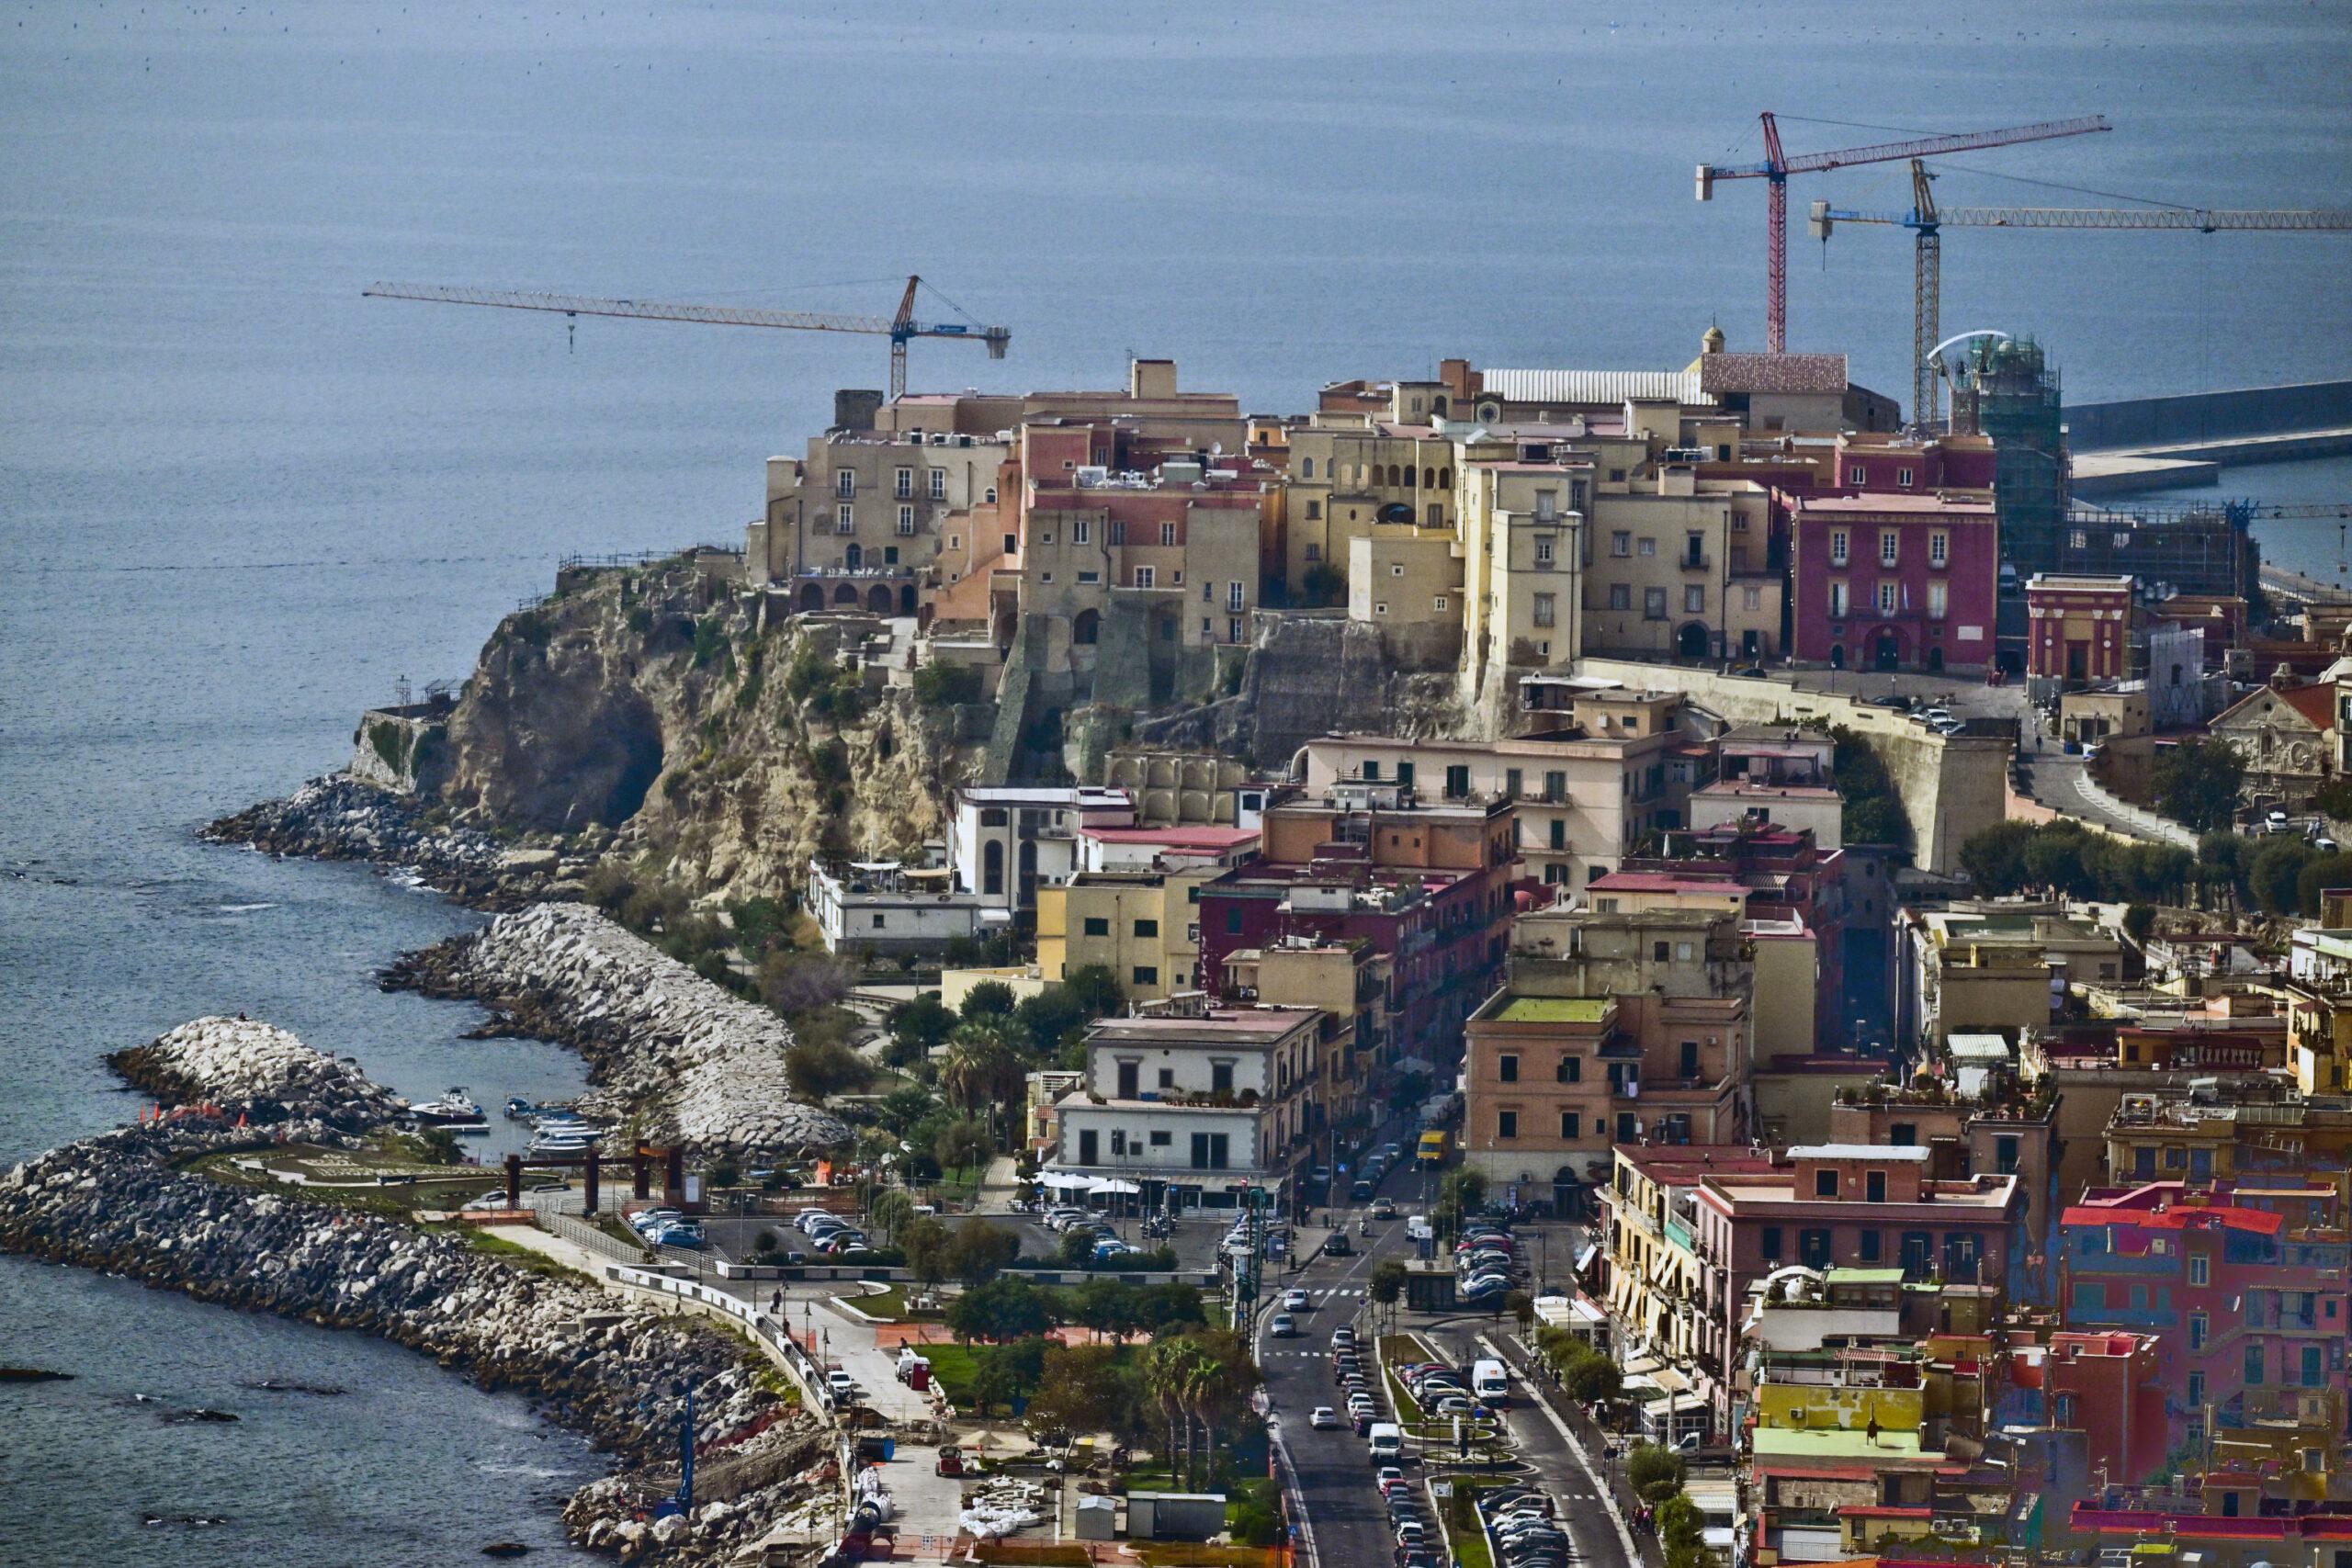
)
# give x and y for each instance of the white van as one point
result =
(1490, 1383)
(1387, 1440)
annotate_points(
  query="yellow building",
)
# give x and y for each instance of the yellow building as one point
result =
(1681, 568)
(1348, 981)
(1143, 926)
(1523, 567)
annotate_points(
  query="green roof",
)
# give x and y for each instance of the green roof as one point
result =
(1553, 1009)
(1833, 1442)
(1865, 1276)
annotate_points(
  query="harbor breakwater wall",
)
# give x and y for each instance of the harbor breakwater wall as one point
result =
(2208, 416)
(123, 1202)
(694, 1062)
(343, 817)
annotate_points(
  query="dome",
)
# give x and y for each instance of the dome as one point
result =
(1714, 342)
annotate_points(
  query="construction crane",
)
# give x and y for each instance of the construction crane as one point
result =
(899, 329)
(1777, 167)
(1926, 221)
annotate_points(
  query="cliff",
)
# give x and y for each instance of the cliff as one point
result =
(640, 713)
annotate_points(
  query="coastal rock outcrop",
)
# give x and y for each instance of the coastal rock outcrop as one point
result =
(342, 817)
(126, 1202)
(694, 1062)
(258, 1065)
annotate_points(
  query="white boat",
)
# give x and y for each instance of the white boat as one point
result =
(455, 1110)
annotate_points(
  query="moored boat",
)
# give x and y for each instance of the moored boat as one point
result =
(455, 1110)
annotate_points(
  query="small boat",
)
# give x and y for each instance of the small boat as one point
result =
(455, 1110)
(521, 1109)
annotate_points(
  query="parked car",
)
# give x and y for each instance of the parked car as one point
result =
(1343, 1337)
(841, 1382)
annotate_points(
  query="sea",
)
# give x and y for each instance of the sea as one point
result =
(239, 501)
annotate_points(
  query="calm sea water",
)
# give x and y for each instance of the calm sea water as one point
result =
(237, 502)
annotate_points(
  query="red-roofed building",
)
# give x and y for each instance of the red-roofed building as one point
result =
(2242, 1286)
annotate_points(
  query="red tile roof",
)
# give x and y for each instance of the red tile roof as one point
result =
(1733, 373)
(2179, 1217)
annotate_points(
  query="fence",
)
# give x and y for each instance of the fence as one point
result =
(594, 1238)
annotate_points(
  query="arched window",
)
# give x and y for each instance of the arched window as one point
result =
(1445, 479)
(1307, 468)
(992, 868)
(854, 557)
(1437, 405)
(1429, 478)
(1087, 628)
(1490, 413)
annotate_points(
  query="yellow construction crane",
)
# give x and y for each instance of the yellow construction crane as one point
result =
(899, 329)
(1926, 220)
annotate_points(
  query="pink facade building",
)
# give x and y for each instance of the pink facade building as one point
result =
(1892, 581)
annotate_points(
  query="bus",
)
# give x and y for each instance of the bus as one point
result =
(1433, 1146)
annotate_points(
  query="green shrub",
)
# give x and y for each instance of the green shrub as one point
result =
(940, 684)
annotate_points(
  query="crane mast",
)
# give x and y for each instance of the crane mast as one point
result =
(900, 328)
(1778, 166)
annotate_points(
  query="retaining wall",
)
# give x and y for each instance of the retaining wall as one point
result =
(2208, 416)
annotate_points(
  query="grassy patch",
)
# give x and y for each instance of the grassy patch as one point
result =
(952, 1367)
(385, 1177)
(527, 1258)
(891, 1305)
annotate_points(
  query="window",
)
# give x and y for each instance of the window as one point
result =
(877, 923)
(1167, 532)
(1146, 974)
(1233, 922)
(1571, 1125)
(1570, 1070)
(1505, 1123)
(1096, 926)
(1620, 543)
(844, 519)
(904, 485)
(2201, 1269)
(2254, 1366)
(1939, 547)
(1233, 596)
(1147, 927)
(1233, 629)
(1161, 1138)
(1769, 1242)
(2198, 1325)
(1621, 596)
(1457, 781)
(1867, 1246)
(1649, 546)
(1371, 769)
(1886, 597)
(905, 520)
(1439, 604)
(1874, 1187)
(1653, 604)
(2314, 1369)
(1886, 546)
(1404, 775)
(1145, 577)
(1082, 531)
(1555, 786)
(1543, 611)
(1856, 474)
(1812, 1248)
(1381, 608)
(1694, 600)
(1751, 598)
(1118, 532)
(939, 484)
(1838, 546)
(1507, 1068)
(1220, 1077)
(1903, 478)
(1939, 600)
(845, 482)
(1542, 552)
(2196, 1389)
(1825, 1184)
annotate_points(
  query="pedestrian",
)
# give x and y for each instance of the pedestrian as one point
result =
(775, 1303)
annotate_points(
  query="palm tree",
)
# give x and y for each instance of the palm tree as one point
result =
(1163, 1375)
(983, 1070)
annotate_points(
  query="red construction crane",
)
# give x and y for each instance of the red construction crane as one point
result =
(1777, 167)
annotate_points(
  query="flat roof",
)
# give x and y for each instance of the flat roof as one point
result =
(1202, 838)
(1269, 1021)
(1666, 882)
(1836, 1442)
(1553, 1010)
(1865, 1276)
(1895, 503)
(1910, 1153)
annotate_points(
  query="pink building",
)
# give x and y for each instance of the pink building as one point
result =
(1892, 581)
(2078, 628)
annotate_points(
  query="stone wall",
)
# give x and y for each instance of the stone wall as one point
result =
(404, 750)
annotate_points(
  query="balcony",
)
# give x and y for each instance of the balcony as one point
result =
(1695, 561)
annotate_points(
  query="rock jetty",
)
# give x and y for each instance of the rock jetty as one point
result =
(257, 1065)
(696, 1063)
(342, 817)
(124, 1202)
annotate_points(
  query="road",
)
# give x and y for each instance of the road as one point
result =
(1346, 1523)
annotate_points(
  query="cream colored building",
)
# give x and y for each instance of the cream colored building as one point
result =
(1683, 570)
(1787, 961)
(1143, 926)
(1406, 581)
(858, 521)
(1349, 982)
(1344, 480)
(1523, 553)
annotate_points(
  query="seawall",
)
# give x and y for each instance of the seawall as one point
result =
(2199, 417)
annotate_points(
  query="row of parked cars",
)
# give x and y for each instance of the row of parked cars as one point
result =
(1525, 1533)
(1487, 1258)
(1362, 1408)
(1106, 1238)
(831, 1237)
(666, 1227)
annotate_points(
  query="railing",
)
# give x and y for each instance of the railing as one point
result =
(594, 1238)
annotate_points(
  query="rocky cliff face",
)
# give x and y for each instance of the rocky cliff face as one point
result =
(643, 715)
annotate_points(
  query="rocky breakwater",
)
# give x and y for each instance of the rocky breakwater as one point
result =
(342, 817)
(694, 1062)
(125, 1201)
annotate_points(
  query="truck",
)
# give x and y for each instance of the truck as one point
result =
(1434, 1145)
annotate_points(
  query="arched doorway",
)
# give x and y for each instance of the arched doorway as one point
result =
(1166, 626)
(846, 595)
(1935, 658)
(1691, 642)
(1887, 651)
(1836, 656)
(877, 599)
(812, 599)
(1087, 628)
(854, 557)
(907, 599)
(1568, 1193)
(992, 869)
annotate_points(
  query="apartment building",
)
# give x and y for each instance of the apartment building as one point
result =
(1523, 541)
(1586, 792)
(1607, 1029)
(1194, 1103)
(1984, 966)
(1777, 774)
(1656, 1284)
(1426, 882)
(1144, 926)
(1004, 842)
(857, 523)
(2242, 1284)
(884, 910)
(1152, 405)
(1892, 581)
(1349, 982)
(1683, 570)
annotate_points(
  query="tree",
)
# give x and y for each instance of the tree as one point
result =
(2197, 782)
(2277, 876)
(992, 1384)
(1077, 1248)
(1095, 988)
(1387, 1285)
(981, 1252)
(983, 1068)
(918, 1025)
(961, 1144)
(1000, 1309)
(893, 1207)
(819, 1068)
(1158, 1308)
(1110, 1306)
(1592, 1378)
(904, 1109)
(1993, 858)
(1086, 1388)
(1464, 1191)
(990, 999)
(1522, 1307)
(1655, 1472)
(2139, 920)
(927, 1243)
(796, 983)
(2320, 873)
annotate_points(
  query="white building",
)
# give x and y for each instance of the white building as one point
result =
(1192, 1103)
(885, 908)
(1006, 841)
(1165, 849)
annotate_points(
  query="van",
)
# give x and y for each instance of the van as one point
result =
(1490, 1383)
(1387, 1441)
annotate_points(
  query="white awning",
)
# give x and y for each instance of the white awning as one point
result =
(1064, 1180)
(1112, 1184)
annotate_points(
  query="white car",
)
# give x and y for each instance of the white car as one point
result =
(1294, 1300)
(1324, 1416)
(1283, 1326)
(841, 1382)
